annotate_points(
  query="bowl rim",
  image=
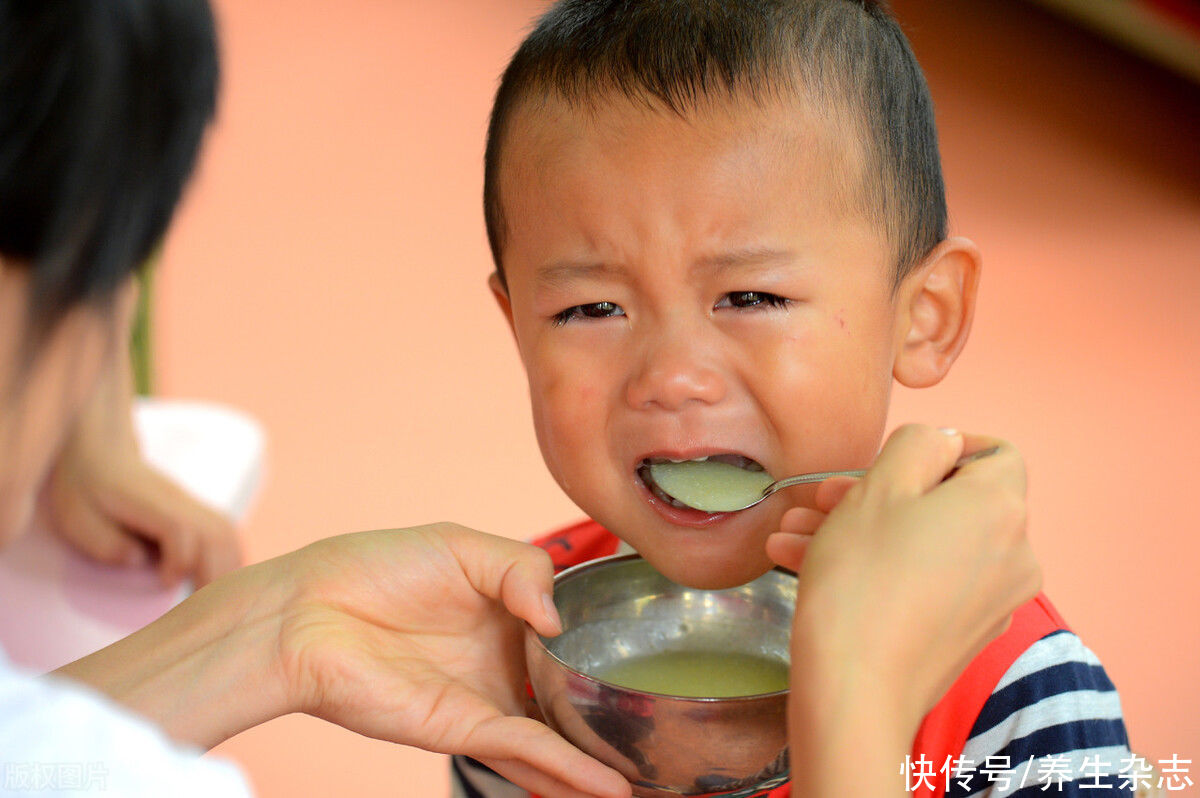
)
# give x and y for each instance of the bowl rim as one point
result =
(612, 559)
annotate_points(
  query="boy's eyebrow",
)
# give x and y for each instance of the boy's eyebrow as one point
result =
(561, 273)
(749, 256)
(564, 272)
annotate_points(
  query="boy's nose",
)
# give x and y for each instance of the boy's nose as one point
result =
(672, 377)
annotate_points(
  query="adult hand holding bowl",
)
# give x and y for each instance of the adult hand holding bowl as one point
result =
(624, 623)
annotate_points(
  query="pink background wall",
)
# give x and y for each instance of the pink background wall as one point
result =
(327, 275)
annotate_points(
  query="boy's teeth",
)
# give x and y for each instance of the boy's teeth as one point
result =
(732, 459)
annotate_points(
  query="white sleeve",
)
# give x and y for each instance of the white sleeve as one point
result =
(60, 738)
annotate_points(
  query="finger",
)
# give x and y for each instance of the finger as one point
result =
(538, 783)
(801, 521)
(155, 506)
(220, 553)
(1005, 466)
(513, 739)
(831, 492)
(518, 574)
(787, 549)
(219, 550)
(988, 495)
(914, 459)
(528, 591)
(97, 536)
(181, 525)
(177, 554)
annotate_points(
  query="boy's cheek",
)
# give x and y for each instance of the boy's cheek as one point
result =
(570, 382)
(566, 414)
(828, 408)
(564, 397)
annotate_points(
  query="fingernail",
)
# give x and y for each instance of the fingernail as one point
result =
(551, 612)
(951, 431)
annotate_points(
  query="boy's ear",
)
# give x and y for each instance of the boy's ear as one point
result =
(500, 292)
(936, 304)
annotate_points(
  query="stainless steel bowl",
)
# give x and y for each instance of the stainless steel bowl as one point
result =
(619, 607)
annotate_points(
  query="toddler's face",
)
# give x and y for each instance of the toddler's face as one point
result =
(691, 286)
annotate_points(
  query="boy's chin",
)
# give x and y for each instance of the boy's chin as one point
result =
(707, 575)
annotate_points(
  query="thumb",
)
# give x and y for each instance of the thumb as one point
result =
(518, 574)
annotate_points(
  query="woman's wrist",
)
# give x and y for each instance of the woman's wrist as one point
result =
(206, 670)
(848, 743)
(844, 731)
(850, 720)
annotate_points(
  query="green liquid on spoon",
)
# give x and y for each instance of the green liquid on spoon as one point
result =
(709, 485)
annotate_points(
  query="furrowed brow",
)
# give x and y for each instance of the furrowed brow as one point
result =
(557, 275)
(749, 257)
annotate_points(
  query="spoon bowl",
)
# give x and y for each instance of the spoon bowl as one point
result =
(744, 494)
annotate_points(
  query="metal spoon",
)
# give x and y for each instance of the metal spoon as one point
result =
(802, 479)
(821, 476)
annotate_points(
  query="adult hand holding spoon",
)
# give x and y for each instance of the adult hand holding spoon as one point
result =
(904, 577)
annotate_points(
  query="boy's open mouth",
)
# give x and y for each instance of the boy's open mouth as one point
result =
(701, 486)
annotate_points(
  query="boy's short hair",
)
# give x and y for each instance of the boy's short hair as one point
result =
(103, 104)
(848, 58)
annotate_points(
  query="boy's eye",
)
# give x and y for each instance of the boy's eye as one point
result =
(592, 310)
(751, 299)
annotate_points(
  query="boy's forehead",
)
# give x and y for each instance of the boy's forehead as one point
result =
(543, 129)
(579, 159)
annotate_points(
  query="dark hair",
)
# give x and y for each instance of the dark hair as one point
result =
(847, 57)
(103, 104)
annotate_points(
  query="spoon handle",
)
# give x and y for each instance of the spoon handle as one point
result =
(821, 476)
